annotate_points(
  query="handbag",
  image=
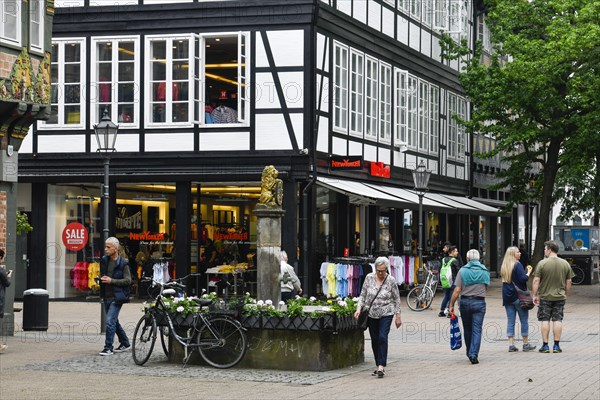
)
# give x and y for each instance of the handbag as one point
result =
(525, 298)
(455, 335)
(363, 316)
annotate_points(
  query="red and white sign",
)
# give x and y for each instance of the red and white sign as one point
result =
(75, 236)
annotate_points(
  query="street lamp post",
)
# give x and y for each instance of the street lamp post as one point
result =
(106, 137)
(421, 180)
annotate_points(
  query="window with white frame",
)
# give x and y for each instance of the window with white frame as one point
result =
(440, 14)
(385, 103)
(413, 107)
(423, 115)
(169, 74)
(115, 80)
(67, 72)
(10, 28)
(452, 126)
(400, 106)
(434, 119)
(340, 87)
(415, 9)
(371, 87)
(428, 12)
(404, 5)
(224, 88)
(461, 136)
(357, 92)
(36, 25)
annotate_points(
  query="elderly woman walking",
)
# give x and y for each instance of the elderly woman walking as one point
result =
(472, 282)
(381, 295)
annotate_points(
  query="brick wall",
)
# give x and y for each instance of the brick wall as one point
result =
(6, 64)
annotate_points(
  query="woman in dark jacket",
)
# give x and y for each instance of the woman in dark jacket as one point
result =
(512, 271)
(4, 283)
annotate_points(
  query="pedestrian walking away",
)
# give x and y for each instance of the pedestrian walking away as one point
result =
(380, 290)
(451, 260)
(551, 283)
(5, 279)
(513, 273)
(115, 282)
(472, 282)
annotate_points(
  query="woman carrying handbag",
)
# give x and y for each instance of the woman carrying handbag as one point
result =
(380, 290)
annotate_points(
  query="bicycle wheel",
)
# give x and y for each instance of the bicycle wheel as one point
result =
(164, 338)
(419, 298)
(144, 337)
(226, 347)
(579, 275)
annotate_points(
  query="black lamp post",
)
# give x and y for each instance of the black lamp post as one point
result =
(106, 137)
(421, 179)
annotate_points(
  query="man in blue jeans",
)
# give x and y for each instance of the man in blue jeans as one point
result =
(452, 257)
(115, 281)
(472, 282)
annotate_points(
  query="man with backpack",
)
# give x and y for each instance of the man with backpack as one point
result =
(448, 272)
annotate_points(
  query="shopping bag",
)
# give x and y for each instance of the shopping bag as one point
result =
(455, 335)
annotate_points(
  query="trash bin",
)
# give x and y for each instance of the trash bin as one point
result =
(35, 310)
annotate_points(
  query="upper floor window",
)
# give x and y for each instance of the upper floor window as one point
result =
(434, 119)
(36, 25)
(224, 87)
(169, 72)
(385, 103)
(400, 107)
(115, 80)
(67, 73)
(340, 87)
(424, 115)
(371, 97)
(357, 92)
(412, 105)
(457, 107)
(10, 28)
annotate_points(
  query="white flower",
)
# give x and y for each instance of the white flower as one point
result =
(269, 302)
(177, 300)
(260, 303)
(325, 309)
(342, 303)
(247, 293)
(281, 303)
(312, 299)
(203, 290)
(180, 309)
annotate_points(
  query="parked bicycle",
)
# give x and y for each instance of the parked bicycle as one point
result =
(421, 296)
(578, 274)
(220, 339)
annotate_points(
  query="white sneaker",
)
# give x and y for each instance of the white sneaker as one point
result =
(2, 348)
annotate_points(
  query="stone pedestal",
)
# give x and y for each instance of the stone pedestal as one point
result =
(268, 249)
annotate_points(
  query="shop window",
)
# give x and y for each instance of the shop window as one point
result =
(10, 28)
(67, 73)
(115, 82)
(36, 25)
(224, 95)
(169, 72)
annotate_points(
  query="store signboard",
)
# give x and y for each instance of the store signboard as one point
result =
(380, 169)
(75, 236)
(346, 163)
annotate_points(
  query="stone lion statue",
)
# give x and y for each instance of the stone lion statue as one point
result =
(271, 188)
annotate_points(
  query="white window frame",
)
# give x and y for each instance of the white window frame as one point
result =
(11, 10)
(169, 81)
(434, 118)
(371, 97)
(340, 87)
(37, 8)
(243, 82)
(114, 82)
(451, 146)
(61, 43)
(412, 104)
(385, 103)
(440, 16)
(427, 12)
(357, 93)
(423, 116)
(461, 139)
(400, 107)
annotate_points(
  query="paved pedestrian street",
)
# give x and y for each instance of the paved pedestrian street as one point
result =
(63, 362)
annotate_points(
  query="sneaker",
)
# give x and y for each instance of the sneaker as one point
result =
(2, 348)
(544, 349)
(556, 349)
(122, 348)
(441, 314)
(380, 374)
(512, 348)
(528, 347)
(106, 352)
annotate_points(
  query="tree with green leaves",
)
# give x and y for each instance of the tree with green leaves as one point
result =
(538, 97)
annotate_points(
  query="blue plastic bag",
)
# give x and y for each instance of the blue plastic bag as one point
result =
(455, 335)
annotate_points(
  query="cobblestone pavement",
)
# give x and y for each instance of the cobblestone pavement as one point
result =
(62, 362)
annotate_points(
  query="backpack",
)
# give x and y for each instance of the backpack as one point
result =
(446, 272)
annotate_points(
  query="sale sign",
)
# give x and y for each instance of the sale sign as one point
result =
(75, 236)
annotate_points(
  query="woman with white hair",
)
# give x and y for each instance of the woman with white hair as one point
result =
(289, 279)
(472, 282)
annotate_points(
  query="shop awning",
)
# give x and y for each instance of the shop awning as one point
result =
(370, 193)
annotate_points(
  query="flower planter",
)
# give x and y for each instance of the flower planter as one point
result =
(325, 322)
(178, 320)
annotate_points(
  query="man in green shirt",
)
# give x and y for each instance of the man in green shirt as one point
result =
(551, 283)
